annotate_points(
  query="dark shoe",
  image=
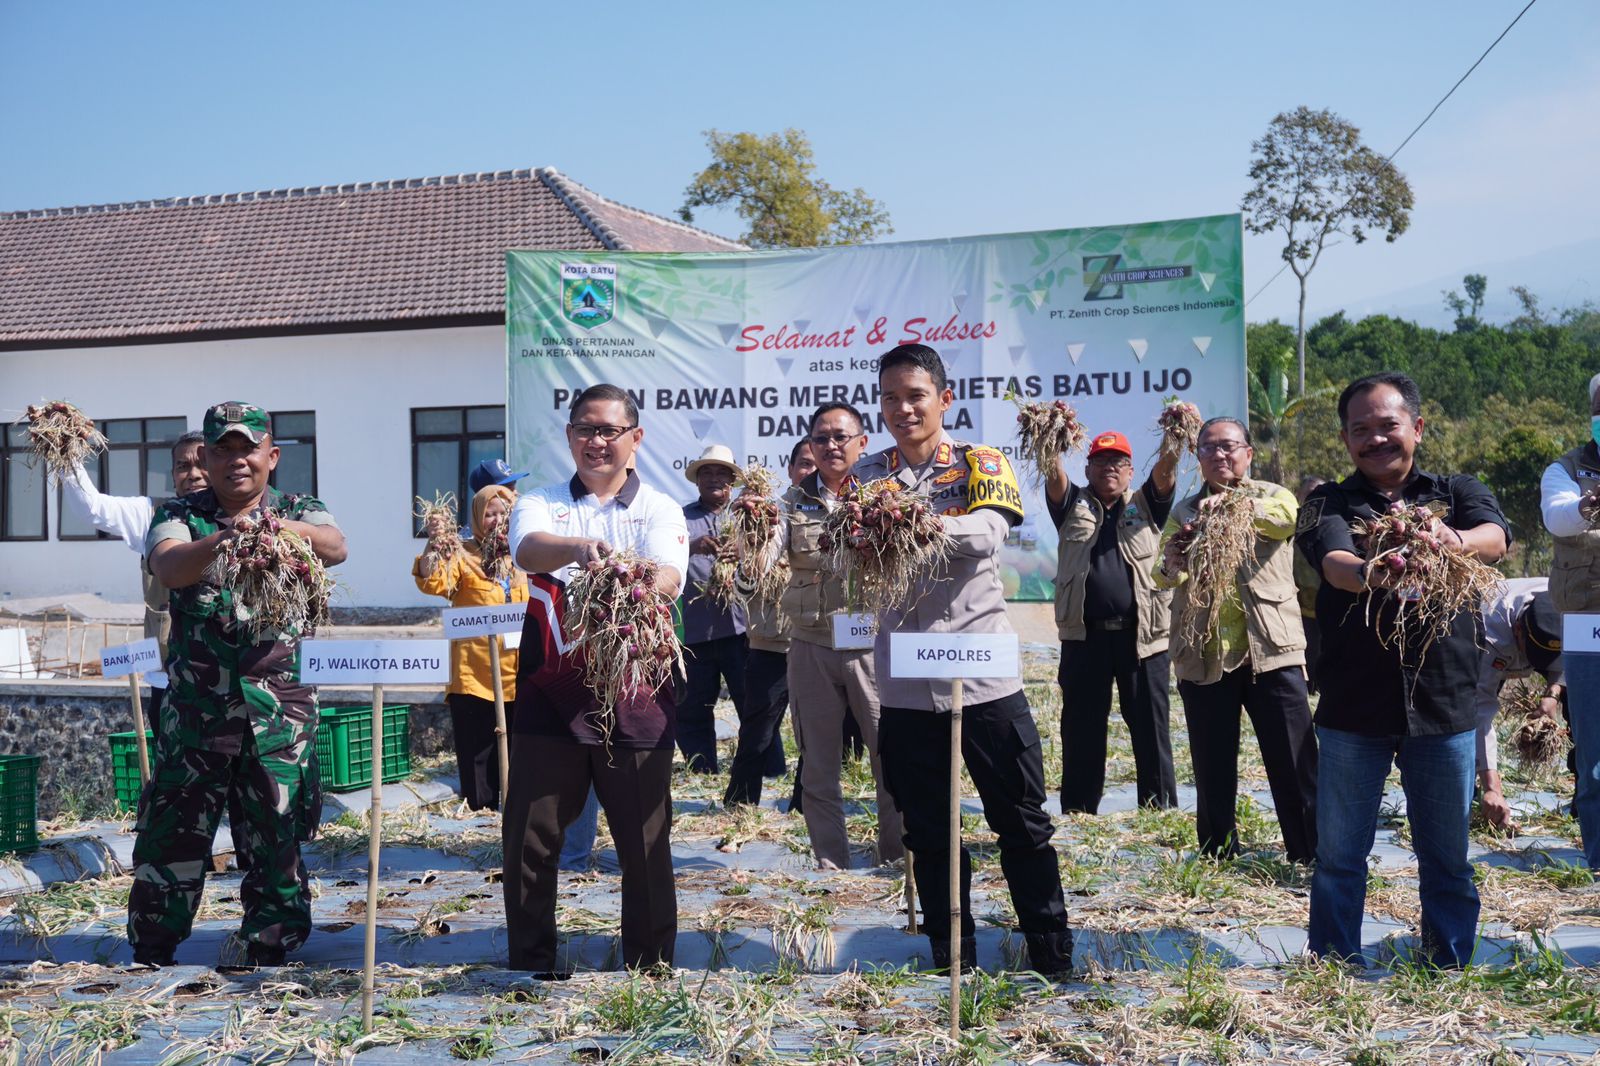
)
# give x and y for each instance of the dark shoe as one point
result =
(152, 957)
(265, 955)
(1050, 953)
(941, 954)
(550, 975)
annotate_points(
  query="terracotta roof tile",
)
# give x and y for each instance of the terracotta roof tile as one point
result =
(334, 257)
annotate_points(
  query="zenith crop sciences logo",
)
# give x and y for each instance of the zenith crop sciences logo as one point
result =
(1104, 275)
(588, 293)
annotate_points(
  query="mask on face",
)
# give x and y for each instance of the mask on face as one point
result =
(1594, 429)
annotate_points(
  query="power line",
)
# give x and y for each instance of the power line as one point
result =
(1390, 157)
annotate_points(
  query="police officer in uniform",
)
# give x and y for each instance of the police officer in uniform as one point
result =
(1569, 495)
(1379, 709)
(1112, 620)
(237, 715)
(975, 491)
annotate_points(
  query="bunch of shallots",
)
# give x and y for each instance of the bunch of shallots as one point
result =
(494, 551)
(277, 581)
(61, 436)
(753, 531)
(623, 623)
(1179, 424)
(1215, 544)
(1538, 738)
(721, 586)
(1589, 506)
(1430, 582)
(1047, 430)
(883, 538)
(441, 527)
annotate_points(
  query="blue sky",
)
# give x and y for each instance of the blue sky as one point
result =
(961, 118)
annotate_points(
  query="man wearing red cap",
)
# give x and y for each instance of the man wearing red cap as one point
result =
(1112, 620)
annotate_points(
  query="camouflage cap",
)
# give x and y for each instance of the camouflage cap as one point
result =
(236, 417)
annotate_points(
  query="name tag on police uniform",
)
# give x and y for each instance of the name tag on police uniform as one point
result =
(854, 632)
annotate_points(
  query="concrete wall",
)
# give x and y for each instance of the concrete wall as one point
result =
(66, 724)
(362, 387)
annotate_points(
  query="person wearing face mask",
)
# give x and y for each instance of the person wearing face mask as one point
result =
(1254, 658)
(1383, 707)
(473, 577)
(1570, 502)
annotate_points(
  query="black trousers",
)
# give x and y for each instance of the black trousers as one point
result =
(766, 698)
(1089, 667)
(550, 783)
(1313, 652)
(1000, 746)
(1276, 703)
(708, 664)
(477, 753)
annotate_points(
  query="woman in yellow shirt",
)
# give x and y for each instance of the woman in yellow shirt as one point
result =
(473, 577)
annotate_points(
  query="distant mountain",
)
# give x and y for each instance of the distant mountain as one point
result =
(1561, 277)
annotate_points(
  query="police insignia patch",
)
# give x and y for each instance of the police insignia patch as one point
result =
(1310, 514)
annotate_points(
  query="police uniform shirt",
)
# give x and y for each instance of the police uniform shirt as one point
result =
(973, 487)
(1108, 590)
(1366, 688)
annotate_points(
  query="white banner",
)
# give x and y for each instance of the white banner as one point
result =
(138, 657)
(374, 662)
(1580, 633)
(952, 655)
(740, 348)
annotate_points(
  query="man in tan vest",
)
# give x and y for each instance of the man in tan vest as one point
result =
(766, 675)
(1255, 656)
(1570, 500)
(1112, 620)
(828, 681)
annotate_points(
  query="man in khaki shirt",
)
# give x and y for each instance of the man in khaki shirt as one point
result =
(974, 490)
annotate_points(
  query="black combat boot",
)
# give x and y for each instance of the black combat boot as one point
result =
(1051, 953)
(941, 953)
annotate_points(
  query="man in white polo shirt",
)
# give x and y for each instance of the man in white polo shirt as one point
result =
(557, 753)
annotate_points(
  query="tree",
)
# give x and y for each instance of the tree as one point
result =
(1313, 180)
(770, 182)
(1466, 308)
(1271, 407)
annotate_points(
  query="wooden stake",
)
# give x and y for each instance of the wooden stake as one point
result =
(911, 895)
(374, 841)
(502, 743)
(955, 862)
(138, 729)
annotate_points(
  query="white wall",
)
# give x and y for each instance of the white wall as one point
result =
(362, 387)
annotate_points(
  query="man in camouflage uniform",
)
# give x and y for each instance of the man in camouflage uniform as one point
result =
(237, 715)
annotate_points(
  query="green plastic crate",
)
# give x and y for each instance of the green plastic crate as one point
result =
(344, 746)
(19, 803)
(125, 766)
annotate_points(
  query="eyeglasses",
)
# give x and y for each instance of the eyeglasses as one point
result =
(1222, 447)
(1110, 462)
(837, 439)
(605, 433)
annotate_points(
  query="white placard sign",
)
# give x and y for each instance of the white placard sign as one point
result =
(952, 655)
(1580, 633)
(139, 657)
(374, 662)
(854, 632)
(462, 622)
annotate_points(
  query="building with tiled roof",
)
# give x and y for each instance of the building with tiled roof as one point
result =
(369, 318)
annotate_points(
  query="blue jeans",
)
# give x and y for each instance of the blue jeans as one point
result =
(1437, 775)
(578, 843)
(1583, 708)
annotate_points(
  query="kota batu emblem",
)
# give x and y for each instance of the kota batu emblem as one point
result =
(588, 293)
